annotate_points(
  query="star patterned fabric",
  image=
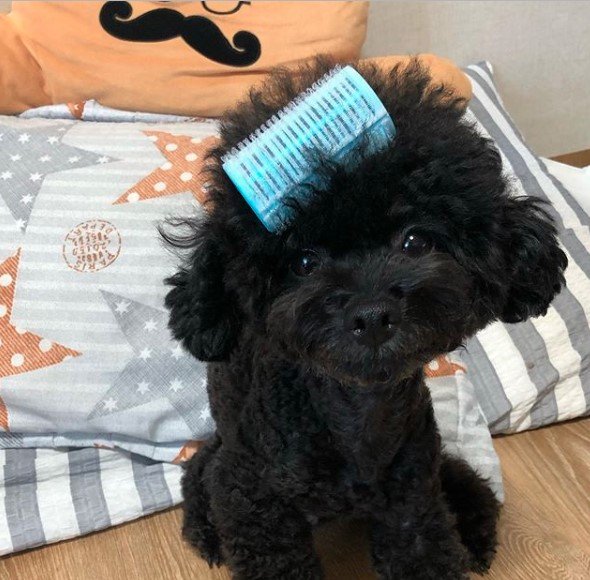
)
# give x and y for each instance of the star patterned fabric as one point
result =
(181, 172)
(134, 388)
(27, 156)
(443, 366)
(159, 368)
(21, 351)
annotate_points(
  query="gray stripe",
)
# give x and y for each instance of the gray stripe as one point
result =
(570, 200)
(20, 501)
(565, 304)
(488, 387)
(8, 440)
(86, 488)
(574, 317)
(542, 373)
(525, 336)
(151, 484)
(494, 95)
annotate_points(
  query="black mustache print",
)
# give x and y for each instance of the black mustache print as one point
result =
(198, 32)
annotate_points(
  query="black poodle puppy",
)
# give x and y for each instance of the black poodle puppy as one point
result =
(319, 335)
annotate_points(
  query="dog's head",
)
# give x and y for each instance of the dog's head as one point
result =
(395, 262)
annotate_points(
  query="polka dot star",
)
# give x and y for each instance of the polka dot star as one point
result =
(181, 172)
(21, 351)
(3, 416)
(443, 366)
(188, 450)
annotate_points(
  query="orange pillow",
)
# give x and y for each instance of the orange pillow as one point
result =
(191, 58)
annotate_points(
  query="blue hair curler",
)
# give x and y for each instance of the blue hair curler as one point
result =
(339, 112)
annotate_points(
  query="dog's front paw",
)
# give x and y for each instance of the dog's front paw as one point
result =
(481, 561)
(207, 543)
(423, 571)
(429, 555)
(479, 535)
(308, 571)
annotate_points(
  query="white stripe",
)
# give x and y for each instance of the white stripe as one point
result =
(60, 374)
(45, 305)
(150, 233)
(161, 205)
(484, 74)
(565, 359)
(172, 475)
(86, 287)
(72, 381)
(5, 539)
(75, 183)
(49, 250)
(569, 394)
(511, 370)
(562, 355)
(137, 271)
(118, 486)
(62, 324)
(112, 211)
(581, 232)
(115, 170)
(98, 148)
(569, 217)
(95, 346)
(56, 509)
(473, 453)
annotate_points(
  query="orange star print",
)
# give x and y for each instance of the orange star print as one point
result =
(442, 366)
(181, 172)
(21, 351)
(188, 450)
(3, 415)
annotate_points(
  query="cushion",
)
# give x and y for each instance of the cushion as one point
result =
(576, 179)
(86, 357)
(202, 55)
(533, 373)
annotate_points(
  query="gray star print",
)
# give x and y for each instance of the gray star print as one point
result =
(158, 368)
(26, 157)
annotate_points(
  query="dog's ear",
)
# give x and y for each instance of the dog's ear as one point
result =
(204, 316)
(535, 262)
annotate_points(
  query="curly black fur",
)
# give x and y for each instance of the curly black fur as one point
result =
(318, 392)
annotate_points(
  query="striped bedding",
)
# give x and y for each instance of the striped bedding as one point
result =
(87, 438)
(534, 373)
(47, 495)
(98, 405)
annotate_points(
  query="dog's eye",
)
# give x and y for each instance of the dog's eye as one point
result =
(305, 263)
(416, 245)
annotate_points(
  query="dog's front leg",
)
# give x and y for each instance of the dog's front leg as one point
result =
(263, 537)
(197, 528)
(417, 540)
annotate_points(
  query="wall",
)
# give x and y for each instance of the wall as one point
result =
(540, 52)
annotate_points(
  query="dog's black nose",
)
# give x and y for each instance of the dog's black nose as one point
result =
(373, 322)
